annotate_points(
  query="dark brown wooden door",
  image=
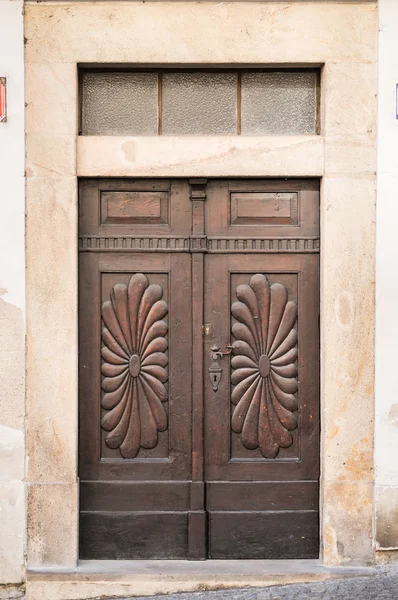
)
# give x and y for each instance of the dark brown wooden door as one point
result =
(199, 369)
(262, 423)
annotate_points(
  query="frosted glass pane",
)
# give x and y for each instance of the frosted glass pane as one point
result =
(199, 103)
(278, 103)
(120, 104)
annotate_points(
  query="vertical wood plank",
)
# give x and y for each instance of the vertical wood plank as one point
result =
(197, 521)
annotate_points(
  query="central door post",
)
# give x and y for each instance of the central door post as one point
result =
(197, 516)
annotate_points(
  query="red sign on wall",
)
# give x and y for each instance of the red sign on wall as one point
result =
(3, 104)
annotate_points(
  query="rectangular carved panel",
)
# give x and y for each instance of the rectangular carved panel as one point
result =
(263, 208)
(136, 207)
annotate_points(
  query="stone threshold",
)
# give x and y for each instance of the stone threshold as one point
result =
(123, 579)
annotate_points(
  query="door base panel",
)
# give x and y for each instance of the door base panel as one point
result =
(133, 535)
(263, 535)
(262, 496)
(232, 535)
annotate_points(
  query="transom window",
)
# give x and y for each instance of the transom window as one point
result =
(199, 102)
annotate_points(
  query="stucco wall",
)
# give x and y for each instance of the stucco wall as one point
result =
(12, 298)
(340, 36)
(387, 287)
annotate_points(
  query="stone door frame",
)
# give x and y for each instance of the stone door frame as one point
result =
(339, 38)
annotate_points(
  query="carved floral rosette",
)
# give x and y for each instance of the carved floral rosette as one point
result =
(264, 366)
(134, 367)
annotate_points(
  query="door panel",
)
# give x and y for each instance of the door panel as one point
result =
(99, 275)
(262, 422)
(262, 495)
(131, 207)
(295, 276)
(255, 208)
(135, 388)
(261, 425)
(199, 368)
(257, 535)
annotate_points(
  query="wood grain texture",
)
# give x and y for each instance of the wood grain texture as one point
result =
(225, 458)
(143, 496)
(197, 523)
(264, 365)
(135, 506)
(169, 466)
(263, 208)
(134, 365)
(262, 450)
(138, 207)
(262, 495)
(115, 536)
(260, 535)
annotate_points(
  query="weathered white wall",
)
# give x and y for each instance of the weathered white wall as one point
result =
(12, 298)
(387, 283)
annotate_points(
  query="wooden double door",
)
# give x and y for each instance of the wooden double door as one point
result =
(198, 368)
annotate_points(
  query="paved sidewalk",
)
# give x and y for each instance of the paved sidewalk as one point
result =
(382, 586)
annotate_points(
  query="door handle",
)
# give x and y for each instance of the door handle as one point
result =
(215, 369)
(217, 353)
